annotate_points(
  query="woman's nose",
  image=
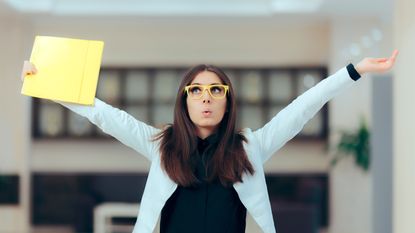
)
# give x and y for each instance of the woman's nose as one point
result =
(206, 97)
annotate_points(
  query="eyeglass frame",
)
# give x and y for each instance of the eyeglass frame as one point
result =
(206, 87)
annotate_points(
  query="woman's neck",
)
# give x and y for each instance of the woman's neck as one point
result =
(204, 132)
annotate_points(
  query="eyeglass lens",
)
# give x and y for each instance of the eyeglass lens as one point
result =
(215, 91)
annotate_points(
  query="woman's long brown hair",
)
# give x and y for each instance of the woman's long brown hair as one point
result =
(179, 140)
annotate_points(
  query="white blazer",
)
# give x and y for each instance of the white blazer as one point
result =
(262, 144)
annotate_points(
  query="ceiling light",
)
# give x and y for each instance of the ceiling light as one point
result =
(294, 6)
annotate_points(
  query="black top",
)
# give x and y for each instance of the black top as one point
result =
(206, 208)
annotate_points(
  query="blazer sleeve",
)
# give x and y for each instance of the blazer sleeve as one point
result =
(119, 124)
(290, 120)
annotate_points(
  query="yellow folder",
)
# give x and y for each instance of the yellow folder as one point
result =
(67, 69)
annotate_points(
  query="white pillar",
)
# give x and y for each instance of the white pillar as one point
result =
(404, 119)
(14, 124)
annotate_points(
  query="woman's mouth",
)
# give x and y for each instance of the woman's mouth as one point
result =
(207, 113)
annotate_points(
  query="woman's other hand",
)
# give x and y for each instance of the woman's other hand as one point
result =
(376, 65)
(28, 69)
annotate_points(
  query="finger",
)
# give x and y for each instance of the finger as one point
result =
(26, 68)
(383, 59)
(29, 68)
(394, 54)
(392, 59)
(23, 75)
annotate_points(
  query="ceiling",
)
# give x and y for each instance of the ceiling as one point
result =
(199, 8)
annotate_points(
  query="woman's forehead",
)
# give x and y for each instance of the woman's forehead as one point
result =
(206, 77)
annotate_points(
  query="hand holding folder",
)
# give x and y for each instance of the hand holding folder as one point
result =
(67, 69)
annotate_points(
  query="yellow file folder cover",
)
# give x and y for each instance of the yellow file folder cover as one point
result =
(67, 69)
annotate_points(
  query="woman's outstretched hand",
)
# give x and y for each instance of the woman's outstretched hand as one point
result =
(376, 65)
(28, 69)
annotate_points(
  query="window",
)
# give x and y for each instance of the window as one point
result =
(149, 95)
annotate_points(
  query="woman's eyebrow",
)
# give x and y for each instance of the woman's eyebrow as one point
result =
(207, 84)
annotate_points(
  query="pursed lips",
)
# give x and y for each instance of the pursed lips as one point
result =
(206, 112)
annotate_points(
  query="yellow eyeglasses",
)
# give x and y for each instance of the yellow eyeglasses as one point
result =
(217, 91)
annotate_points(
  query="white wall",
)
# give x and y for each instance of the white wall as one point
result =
(190, 41)
(403, 120)
(14, 122)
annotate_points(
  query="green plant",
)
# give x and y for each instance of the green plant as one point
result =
(356, 144)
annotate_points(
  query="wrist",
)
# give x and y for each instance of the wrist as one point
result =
(353, 73)
(359, 69)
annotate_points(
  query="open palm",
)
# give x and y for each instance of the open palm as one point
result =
(376, 65)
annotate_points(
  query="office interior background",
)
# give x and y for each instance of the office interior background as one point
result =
(59, 173)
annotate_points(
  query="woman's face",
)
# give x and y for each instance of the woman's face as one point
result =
(206, 113)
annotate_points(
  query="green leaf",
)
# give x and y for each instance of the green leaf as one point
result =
(356, 144)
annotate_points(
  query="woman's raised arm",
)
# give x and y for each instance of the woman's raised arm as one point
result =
(112, 121)
(289, 121)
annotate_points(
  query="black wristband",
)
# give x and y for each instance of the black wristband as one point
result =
(353, 72)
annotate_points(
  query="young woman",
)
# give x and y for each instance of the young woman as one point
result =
(205, 174)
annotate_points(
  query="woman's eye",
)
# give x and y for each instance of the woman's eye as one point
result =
(216, 90)
(195, 90)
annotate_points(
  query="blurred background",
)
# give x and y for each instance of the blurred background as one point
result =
(59, 173)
